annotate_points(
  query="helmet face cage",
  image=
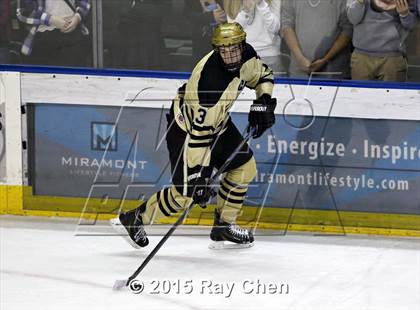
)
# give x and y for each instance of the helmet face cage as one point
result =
(229, 42)
(231, 56)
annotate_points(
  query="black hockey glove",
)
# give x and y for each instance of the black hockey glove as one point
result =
(201, 192)
(261, 115)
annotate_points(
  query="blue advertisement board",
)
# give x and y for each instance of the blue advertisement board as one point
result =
(318, 163)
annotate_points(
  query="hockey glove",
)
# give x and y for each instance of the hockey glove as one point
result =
(261, 115)
(201, 192)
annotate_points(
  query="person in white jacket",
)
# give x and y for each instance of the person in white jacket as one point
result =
(261, 22)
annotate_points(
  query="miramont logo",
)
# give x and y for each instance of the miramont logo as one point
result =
(102, 134)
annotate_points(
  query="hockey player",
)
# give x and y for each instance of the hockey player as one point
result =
(201, 136)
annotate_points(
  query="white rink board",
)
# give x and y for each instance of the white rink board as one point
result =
(371, 103)
(331, 101)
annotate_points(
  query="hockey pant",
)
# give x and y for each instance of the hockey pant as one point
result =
(232, 188)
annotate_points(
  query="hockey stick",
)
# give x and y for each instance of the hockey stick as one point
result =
(119, 284)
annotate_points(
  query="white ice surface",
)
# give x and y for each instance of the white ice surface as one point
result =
(45, 266)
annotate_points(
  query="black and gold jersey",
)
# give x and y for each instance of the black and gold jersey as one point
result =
(203, 103)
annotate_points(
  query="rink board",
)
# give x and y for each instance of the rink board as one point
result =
(367, 179)
(69, 158)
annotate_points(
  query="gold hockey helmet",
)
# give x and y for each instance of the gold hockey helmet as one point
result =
(227, 34)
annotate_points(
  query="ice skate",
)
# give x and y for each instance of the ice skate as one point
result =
(229, 236)
(131, 222)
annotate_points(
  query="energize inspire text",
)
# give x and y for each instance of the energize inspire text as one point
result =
(323, 148)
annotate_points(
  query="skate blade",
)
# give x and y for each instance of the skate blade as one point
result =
(226, 245)
(118, 227)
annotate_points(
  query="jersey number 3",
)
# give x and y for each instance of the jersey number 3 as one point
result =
(201, 117)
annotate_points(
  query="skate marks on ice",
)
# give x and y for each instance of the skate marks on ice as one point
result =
(57, 270)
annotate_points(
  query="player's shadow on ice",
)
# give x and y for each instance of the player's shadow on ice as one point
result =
(143, 253)
(207, 260)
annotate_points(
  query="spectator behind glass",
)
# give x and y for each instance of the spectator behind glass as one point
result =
(261, 22)
(55, 36)
(380, 29)
(204, 17)
(140, 41)
(318, 35)
(4, 31)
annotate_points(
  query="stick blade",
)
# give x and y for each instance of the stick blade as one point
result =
(119, 284)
